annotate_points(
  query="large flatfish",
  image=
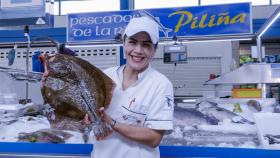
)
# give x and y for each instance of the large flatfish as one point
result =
(74, 88)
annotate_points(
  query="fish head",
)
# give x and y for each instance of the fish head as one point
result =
(58, 65)
(55, 81)
(60, 81)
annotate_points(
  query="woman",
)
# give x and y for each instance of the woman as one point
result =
(141, 109)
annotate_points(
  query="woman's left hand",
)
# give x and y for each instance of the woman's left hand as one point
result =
(104, 116)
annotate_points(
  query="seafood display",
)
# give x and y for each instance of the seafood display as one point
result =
(268, 131)
(73, 88)
(45, 135)
(208, 123)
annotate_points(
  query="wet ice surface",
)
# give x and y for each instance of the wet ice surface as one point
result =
(193, 127)
(268, 133)
(9, 132)
(196, 137)
(13, 121)
(208, 125)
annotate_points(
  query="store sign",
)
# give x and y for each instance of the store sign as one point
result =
(213, 20)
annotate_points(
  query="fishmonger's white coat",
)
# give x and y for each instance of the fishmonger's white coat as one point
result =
(148, 102)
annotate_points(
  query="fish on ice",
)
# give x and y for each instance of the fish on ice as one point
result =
(45, 135)
(212, 110)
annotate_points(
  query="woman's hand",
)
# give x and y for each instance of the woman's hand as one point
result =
(86, 120)
(45, 76)
(139, 134)
(104, 117)
(46, 72)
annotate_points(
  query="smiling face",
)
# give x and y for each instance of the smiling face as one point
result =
(139, 50)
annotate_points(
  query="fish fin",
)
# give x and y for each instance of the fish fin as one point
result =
(108, 83)
(109, 86)
(86, 134)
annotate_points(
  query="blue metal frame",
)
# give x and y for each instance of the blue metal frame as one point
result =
(44, 148)
(216, 152)
(58, 34)
(59, 7)
(166, 151)
(124, 5)
(122, 59)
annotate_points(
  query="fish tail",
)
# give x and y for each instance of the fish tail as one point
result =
(86, 134)
(101, 129)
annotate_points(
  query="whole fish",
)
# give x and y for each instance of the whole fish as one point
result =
(192, 117)
(254, 105)
(31, 109)
(213, 111)
(272, 139)
(45, 135)
(74, 88)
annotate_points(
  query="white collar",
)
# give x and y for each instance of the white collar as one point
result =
(140, 76)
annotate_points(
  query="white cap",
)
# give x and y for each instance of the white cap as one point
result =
(144, 24)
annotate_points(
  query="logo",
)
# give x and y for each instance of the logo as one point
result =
(132, 101)
(169, 101)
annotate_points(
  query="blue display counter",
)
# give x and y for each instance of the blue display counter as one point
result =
(79, 150)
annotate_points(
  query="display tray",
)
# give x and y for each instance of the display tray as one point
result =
(38, 150)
